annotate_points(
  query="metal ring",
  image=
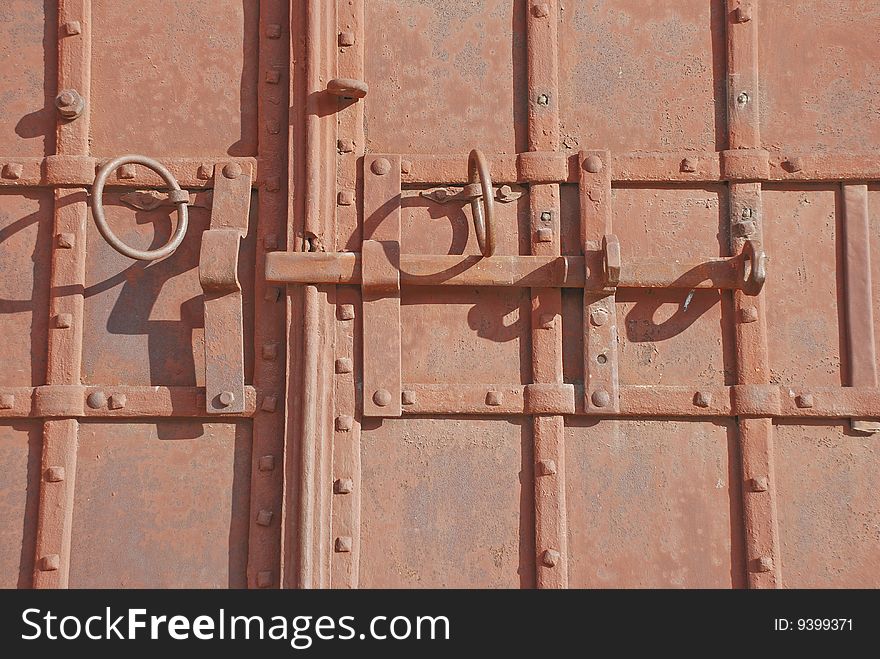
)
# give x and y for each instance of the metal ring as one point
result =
(101, 221)
(754, 268)
(484, 227)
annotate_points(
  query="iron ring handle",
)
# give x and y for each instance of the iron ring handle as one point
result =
(754, 268)
(177, 196)
(484, 223)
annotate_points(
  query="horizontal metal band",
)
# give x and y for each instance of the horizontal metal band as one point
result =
(69, 401)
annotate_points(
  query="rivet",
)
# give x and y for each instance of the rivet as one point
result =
(65, 240)
(408, 397)
(688, 165)
(54, 474)
(96, 400)
(232, 170)
(346, 38)
(205, 171)
(270, 242)
(343, 544)
(344, 365)
(270, 351)
(804, 400)
(264, 517)
(748, 314)
(702, 399)
(12, 170)
(227, 398)
(345, 146)
(760, 484)
(70, 104)
(266, 463)
(117, 401)
(382, 397)
(7, 401)
(273, 31)
(345, 197)
(405, 166)
(546, 216)
(547, 467)
(598, 317)
(543, 99)
(743, 98)
(743, 14)
(593, 164)
(763, 564)
(380, 166)
(343, 486)
(795, 164)
(344, 423)
(546, 320)
(50, 563)
(270, 404)
(601, 398)
(264, 579)
(346, 311)
(747, 213)
(125, 171)
(494, 398)
(273, 184)
(273, 77)
(550, 557)
(273, 127)
(72, 28)
(544, 235)
(540, 11)
(63, 320)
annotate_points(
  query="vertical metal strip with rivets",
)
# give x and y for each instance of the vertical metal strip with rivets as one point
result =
(860, 340)
(756, 434)
(346, 475)
(267, 457)
(58, 465)
(551, 528)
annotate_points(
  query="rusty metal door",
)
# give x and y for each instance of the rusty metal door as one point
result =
(504, 293)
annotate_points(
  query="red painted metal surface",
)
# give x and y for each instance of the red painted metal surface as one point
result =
(631, 343)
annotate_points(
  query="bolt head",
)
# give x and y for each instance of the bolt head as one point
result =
(702, 399)
(270, 403)
(763, 564)
(382, 397)
(543, 99)
(264, 517)
(72, 28)
(793, 165)
(540, 10)
(343, 486)
(69, 103)
(346, 38)
(12, 171)
(96, 400)
(343, 544)
(760, 484)
(749, 314)
(804, 400)
(7, 401)
(743, 98)
(273, 77)
(54, 474)
(598, 317)
(266, 463)
(494, 398)
(688, 165)
(116, 401)
(380, 166)
(593, 164)
(546, 216)
(343, 365)
(601, 398)
(547, 467)
(344, 423)
(743, 14)
(346, 312)
(63, 320)
(50, 563)
(205, 171)
(405, 166)
(408, 397)
(550, 557)
(345, 198)
(544, 235)
(65, 240)
(270, 351)
(226, 398)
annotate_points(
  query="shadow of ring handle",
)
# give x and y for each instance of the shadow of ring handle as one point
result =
(484, 222)
(177, 195)
(753, 268)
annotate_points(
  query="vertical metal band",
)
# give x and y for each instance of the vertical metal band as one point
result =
(860, 340)
(67, 280)
(551, 528)
(742, 75)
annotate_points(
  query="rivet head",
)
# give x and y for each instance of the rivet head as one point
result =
(346, 38)
(743, 14)
(270, 351)
(343, 544)
(50, 563)
(406, 166)
(205, 171)
(65, 240)
(125, 171)
(273, 77)
(264, 517)
(763, 564)
(96, 400)
(72, 28)
(344, 422)
(116, 401)
(345, 198)
(380, 166)
(540, 10)
(546, 216)
(547, 467)
(760, 484)
(54, 474)
(702, 399)
(494, 398)
(688, 165)
(226, 398)
(793, 165)
(343, 486)
(749, 314)
(346, 311)
(343, 365)
(269, 404)
(7, 401)
(63, 320)
(408, 397)
(266, 463)
(593, 164)
(12, 170)
(544, 235)
(550, 557)
(804, 400)
(264, 579)
(601, 398)
(382, 397)
(232, 170)
(543, 99)
(598, 317)
(69, 103)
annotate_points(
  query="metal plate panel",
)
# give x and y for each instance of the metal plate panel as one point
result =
(20, 457)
